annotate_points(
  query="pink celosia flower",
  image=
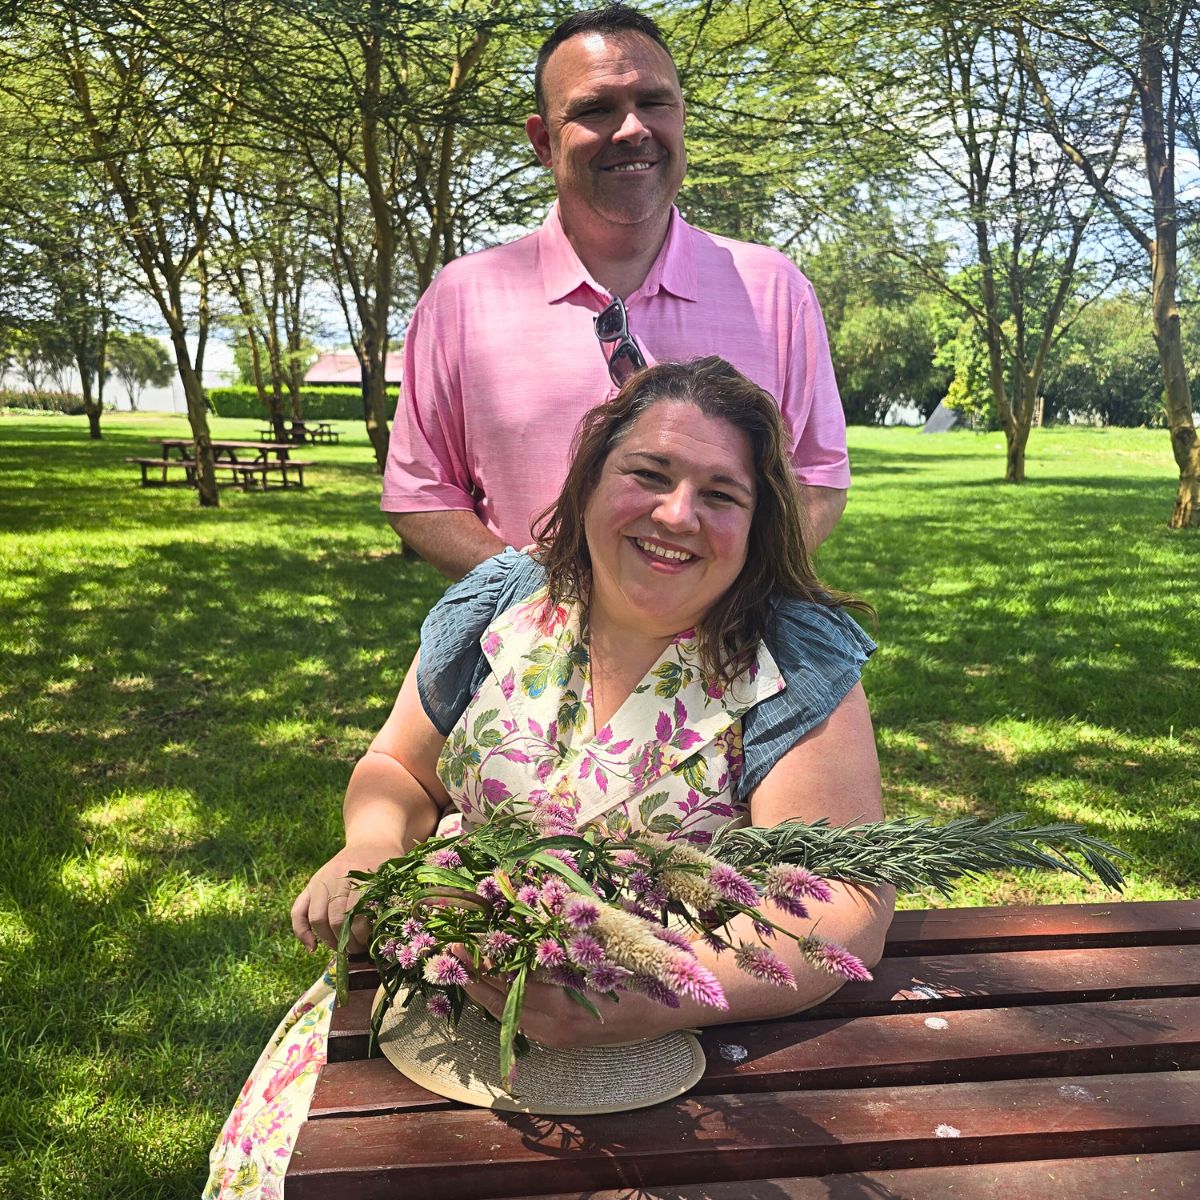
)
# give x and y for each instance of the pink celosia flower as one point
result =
(580, 912)
(406, 957)
(627, 858)
(687, 977)
(446, 970)
(528, 894)
(446, 857)
(836, 960)
(676, 938)
(652, 989)
(549, 953)
(798, 883)
(411, 927)
(733, 886)
(606, 977)
(714, 943)
(565, 856)
(585, 951)
(763, 929)
(791, 906)
(388, 950)
(567, 977)
(439, 1004)
(764, 964)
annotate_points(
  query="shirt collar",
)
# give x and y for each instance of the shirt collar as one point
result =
(674, 270)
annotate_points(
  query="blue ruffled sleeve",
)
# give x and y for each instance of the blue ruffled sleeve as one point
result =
(452, 665)
(820, 652)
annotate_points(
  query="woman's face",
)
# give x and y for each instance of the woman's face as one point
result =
(668, 524)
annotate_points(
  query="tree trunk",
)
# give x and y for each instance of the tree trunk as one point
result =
(375, 413)
(197, 410)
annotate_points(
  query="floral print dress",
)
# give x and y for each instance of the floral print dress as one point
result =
(668, 760)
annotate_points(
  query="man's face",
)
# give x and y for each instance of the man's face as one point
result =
(613, 131)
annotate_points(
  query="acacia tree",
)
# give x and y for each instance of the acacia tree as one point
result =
(963, 154)
(391, 113)
(1140, 56)
(98, 87)
(264, 262)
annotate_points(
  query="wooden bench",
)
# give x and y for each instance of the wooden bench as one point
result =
(287, 472)
(164, 464)
(299, 432)
(998, 1052)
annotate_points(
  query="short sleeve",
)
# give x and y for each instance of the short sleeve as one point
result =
(452, 665)
(820, 652)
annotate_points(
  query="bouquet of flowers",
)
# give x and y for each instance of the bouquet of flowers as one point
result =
(599, 916)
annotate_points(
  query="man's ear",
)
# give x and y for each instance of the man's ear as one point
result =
(539, 138)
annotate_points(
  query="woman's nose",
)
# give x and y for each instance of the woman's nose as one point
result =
(676, 510)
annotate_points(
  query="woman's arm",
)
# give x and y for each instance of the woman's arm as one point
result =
(831, 772)
(393, 800)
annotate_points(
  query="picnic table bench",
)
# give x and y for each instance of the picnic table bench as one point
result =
(999, 1052)
(250, 464)
(300, 431)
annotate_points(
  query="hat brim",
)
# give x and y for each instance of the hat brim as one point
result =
(464, 1064)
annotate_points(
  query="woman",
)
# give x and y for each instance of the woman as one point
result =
(629, 671)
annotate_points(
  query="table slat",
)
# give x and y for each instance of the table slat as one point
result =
(1065, 926)
(906, 1048)
(1114, 1177)
(750, 1137)
(938, 983)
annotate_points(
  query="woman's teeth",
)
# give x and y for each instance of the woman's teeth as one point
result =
(663, 552)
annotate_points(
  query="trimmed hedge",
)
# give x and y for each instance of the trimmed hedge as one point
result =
(63, 402)
(316, 403)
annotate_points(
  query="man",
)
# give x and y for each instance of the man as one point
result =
(502, 356)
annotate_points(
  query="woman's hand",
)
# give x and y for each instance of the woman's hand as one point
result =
(320, 910)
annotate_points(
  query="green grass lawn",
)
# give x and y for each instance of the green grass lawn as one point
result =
(183, 693)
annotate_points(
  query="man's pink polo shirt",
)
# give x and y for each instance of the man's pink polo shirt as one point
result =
(501, 361)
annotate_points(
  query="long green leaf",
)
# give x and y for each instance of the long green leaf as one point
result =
(509, 1021)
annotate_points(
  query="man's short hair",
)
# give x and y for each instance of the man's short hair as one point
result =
(615, 18)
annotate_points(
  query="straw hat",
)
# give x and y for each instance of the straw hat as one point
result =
(464, 1064)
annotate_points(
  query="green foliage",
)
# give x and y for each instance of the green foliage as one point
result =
(1107, 367)
(323, 404)
(138, 361)
(244, 362)
(70, 403)
(963, 353)
(883, 321)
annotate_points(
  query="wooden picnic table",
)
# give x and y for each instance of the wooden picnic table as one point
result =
(249, 463)
(301, 431)
(999, 1052)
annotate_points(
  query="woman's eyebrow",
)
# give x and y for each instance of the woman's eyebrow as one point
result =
(664, 460)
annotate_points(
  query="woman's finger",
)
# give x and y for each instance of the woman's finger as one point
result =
(300, 923)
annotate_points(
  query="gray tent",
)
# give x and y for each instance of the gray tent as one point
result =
(941, 419)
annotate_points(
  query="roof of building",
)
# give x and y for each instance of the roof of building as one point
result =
(340, 368)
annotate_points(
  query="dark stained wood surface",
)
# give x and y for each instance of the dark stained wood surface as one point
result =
(991, 1059)
(1117, 1177)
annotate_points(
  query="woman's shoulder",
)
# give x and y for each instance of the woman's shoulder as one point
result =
(818, 638)
(450, 653)
(820, 652)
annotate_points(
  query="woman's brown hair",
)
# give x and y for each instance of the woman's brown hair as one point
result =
(777, 562)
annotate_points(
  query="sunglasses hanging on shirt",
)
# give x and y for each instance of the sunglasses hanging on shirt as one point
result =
(612, 326)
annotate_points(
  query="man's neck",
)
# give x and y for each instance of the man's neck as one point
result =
(620, 257)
